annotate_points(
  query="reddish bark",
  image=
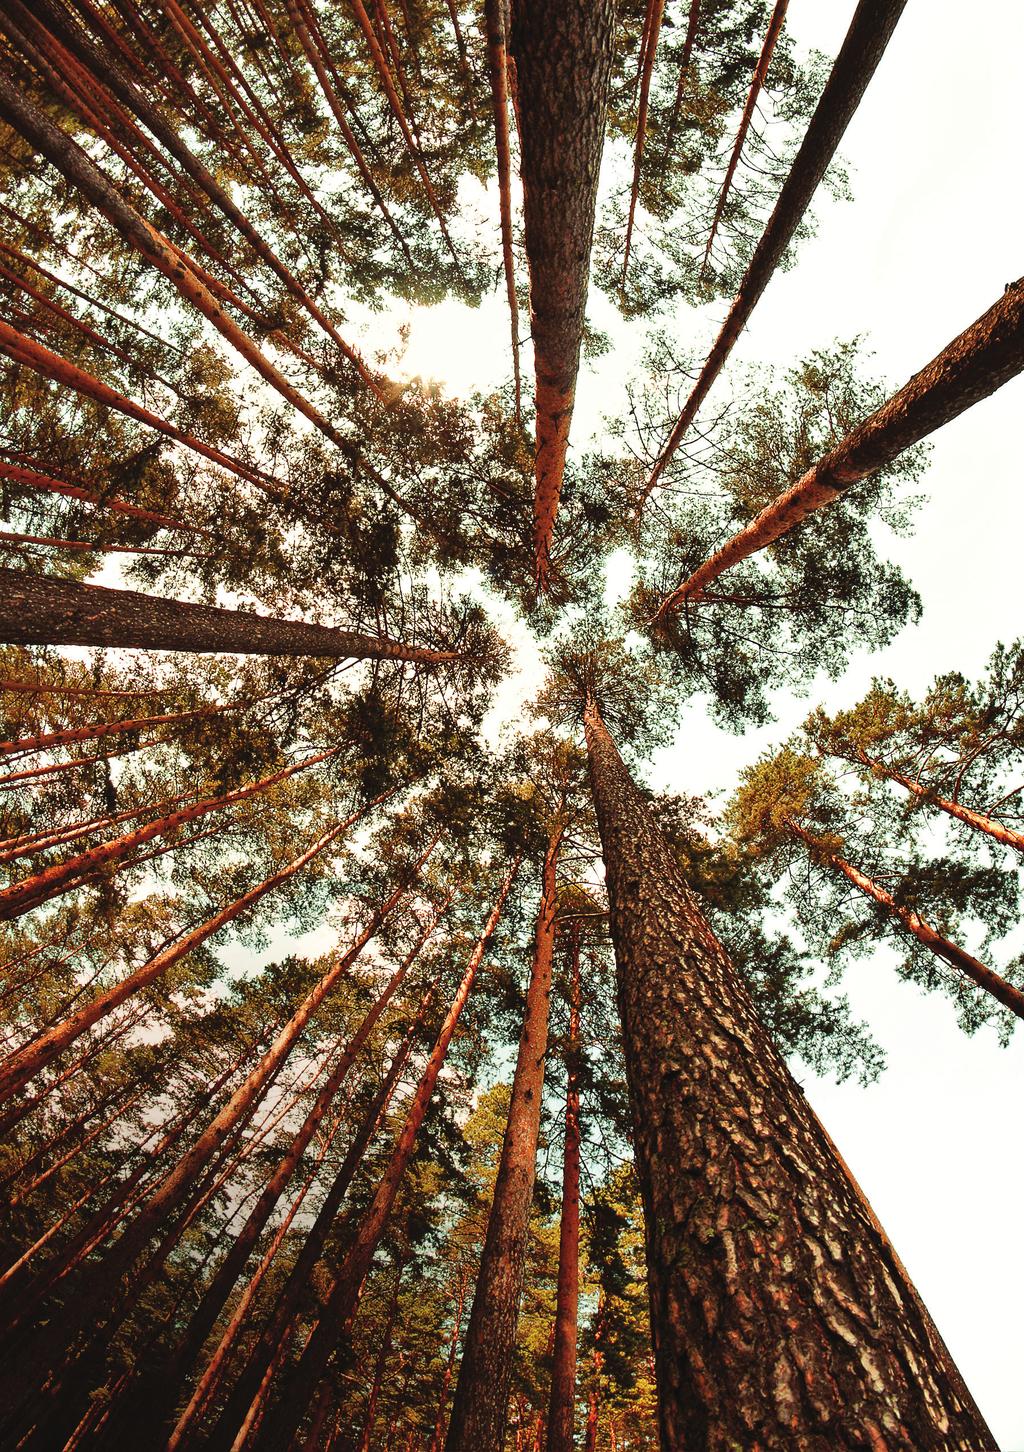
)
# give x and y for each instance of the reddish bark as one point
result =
(1005, 993)
(381, 1363)
(652, 32)
(497, 61)
(51, 542)
(870, 30)
(340, 1306)
(36, 842)
(51, 881)
(973, 366)
(772, 34)
(25, 744)
(34, 480)
(437, 1436)
(562, 1404)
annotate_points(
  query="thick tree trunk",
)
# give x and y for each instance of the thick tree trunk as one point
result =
(984, 357)
(562, 1404)
(62, 876)
(45, 610)
(340, 1307)
(870, 30)
(480, 1403)
(1005, 993)
(563, 56)
(780, 1315)
(764, 60)
(20, 1068)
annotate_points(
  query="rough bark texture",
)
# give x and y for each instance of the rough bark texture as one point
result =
(1005, 993)
(976, 363)
(870, 30)
(563, 57)
(780, 1316)
(45, 610)
(480, 1403)
(562, 1404)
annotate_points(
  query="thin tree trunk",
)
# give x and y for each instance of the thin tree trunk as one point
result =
(562, 1404)
(480, 1404)
(21, 1068)
(51, 881)
(47, 739)
(33, 480)
(764, 60)
(440, 1422)
(1005, 993)
(46, 610)
(381, 1364)
(870, 30)
(756, 1237)
(984, 357)
(340, 1307)
(655, 15)
(563, 58)
(497, 61)
(594, 1400)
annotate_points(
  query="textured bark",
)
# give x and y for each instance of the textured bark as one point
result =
(975, 364)
(764, 60)
(480, 1403)
(780, 1315)
(246, 1396)
(562, 1404)
(17, 1070)
(497, 63)
(563, 57)
(340, 1307)
(45, 610)
(1005, 993)
(652, 33)
(870, 31)
(37, 842)
(51, 881)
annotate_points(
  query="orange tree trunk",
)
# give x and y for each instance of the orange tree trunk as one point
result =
(563, 57)
(103, 728)
(649, 49)
(248, 1391)
(870, 30)
(480, 1403)
(977, 362)
(45, 610)
(1006, 993)
(339, 1309)
(20, 1068)
(62, 876)
(437, 1436)
(378, 1370)
(779, 1314)
(562, 1405)
(34, 480)
(497, 63)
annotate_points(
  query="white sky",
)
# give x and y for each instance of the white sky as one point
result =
(932, 237)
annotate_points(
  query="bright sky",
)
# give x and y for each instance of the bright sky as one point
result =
(929, 242)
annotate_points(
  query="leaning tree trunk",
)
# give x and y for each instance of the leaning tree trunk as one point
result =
(563, 56)
(780, 1314)
(562, 1404)
(437, 1436)
(976, 363)
(870, 30)
(340, 1306)
(45, 610)
(480, 1403)
(1005, 993)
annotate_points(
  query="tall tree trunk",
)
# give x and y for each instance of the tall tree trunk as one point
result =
(48, 739)
(497, 63)
(652, 33)
(247, 1394)
(563, 57)
(480, 1403)
(20, 1068)
(62, 876)
(764, 60)
(1005, 993)
(984, 357)
(340, 1307)
(778, 1309)
(33, 480)
(562, 1404)
(45, 610)
(437, 1436)
(594, 1399)
(381, 1364)
(870, 30)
